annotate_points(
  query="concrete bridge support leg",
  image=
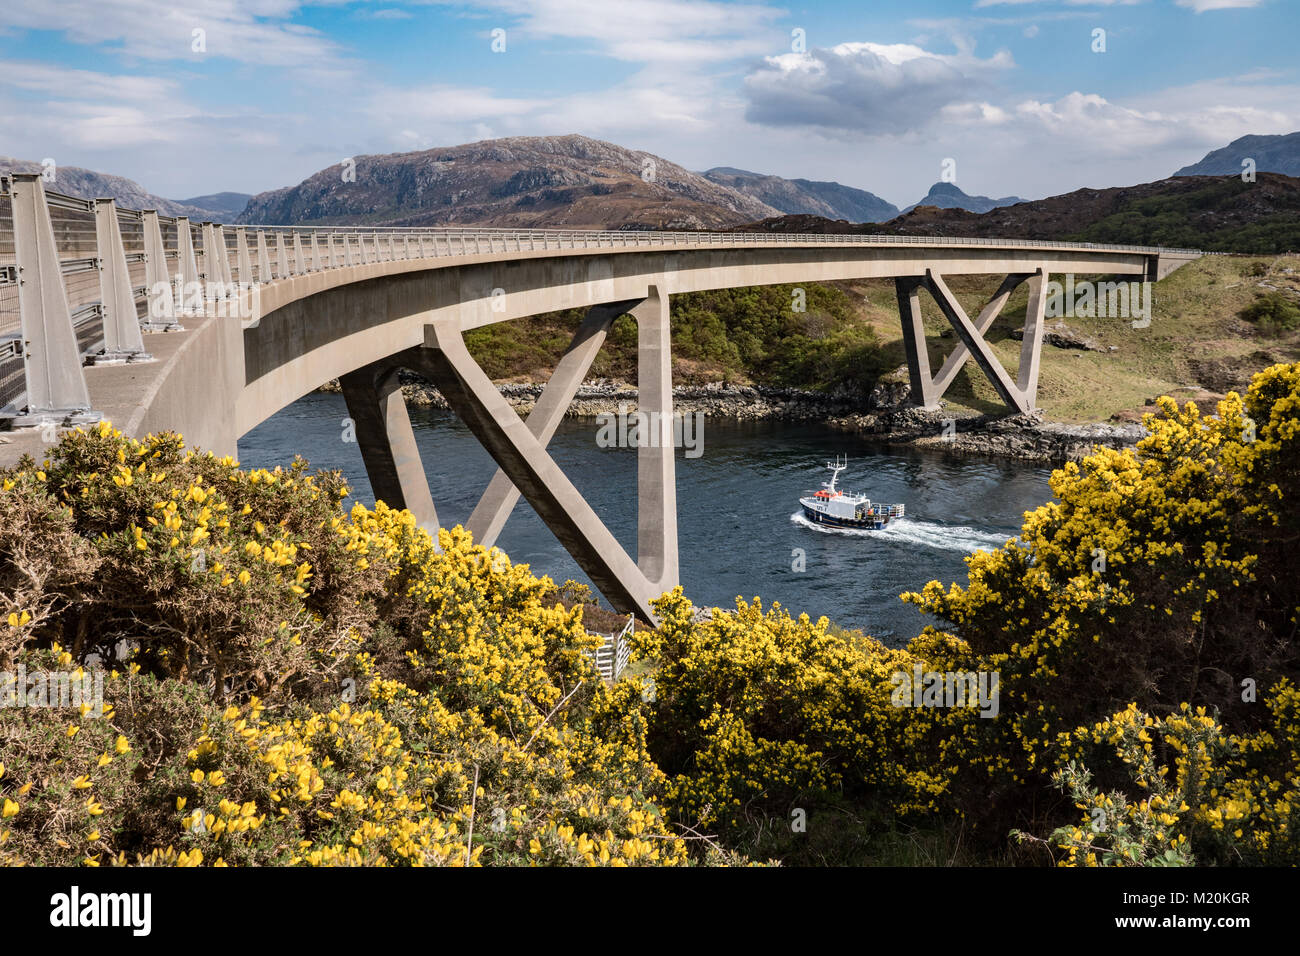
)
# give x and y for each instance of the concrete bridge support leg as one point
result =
(1031, 348)
(991, 311)
(908, 290)
(383, 430)
(519, 453)
(656, 534)
(499, 499)
(1011, 393)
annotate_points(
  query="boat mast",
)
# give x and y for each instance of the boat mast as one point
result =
(835, 468)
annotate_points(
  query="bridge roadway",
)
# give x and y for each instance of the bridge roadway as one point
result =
(160, 324)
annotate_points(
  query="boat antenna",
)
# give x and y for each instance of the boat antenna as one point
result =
(840, 463)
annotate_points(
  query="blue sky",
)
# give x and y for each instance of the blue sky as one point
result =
(874, 93)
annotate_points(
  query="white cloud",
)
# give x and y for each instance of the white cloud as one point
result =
(1200, 6)
(648, 31)
(865, 88)
(250, 31)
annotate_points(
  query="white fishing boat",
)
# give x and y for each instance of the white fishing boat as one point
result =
(845, 509)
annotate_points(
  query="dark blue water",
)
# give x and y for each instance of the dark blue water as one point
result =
(738, 522)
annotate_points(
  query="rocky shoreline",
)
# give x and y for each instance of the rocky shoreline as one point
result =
(1024, 438)
(1020, 437)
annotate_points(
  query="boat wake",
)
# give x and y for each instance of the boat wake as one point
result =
(924, 533)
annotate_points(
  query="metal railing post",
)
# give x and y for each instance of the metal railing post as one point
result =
(56, 384)
(122, 339)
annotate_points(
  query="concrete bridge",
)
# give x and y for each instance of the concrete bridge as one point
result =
(162, 324)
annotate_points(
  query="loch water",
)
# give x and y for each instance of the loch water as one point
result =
(740, 531)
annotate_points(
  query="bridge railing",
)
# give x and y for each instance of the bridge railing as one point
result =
(80, 278)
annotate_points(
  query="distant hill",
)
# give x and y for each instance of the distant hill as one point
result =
(525, 181)
(88, 184)
(1216, 214)
(1272, 154)
(226, 205)
(948, 196)
(829, 199)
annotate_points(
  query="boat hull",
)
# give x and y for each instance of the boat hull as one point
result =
(867, 524)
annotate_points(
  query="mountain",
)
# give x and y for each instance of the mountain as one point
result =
(833, 200)
(948, 196)
(1272, 154)
(519, 182)
(226, 205)
(88, 184)
(1213, 213)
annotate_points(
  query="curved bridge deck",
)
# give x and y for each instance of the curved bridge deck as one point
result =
(160, 323)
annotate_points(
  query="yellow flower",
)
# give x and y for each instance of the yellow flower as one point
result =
(10, 810)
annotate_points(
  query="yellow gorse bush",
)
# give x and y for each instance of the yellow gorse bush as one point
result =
(287, 682)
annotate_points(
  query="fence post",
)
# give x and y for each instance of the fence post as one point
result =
(122, 339)
(298, 267)
(56, 384)
(162, 302)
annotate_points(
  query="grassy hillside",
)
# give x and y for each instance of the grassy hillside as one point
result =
(1198, 342)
